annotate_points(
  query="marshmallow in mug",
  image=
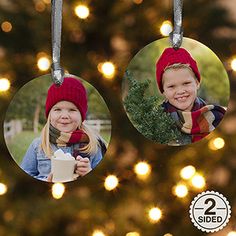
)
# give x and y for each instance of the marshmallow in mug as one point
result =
(60, 155)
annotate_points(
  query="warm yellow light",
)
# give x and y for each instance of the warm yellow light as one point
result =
(233, 64)
(142, 169)
(107, 69)
(111, 182)
(47, 1)
(155, 214)
(198, 181)
(40, 6)
(6, 26)
(4, 84)
(166, 28)
(43, 63)
(82, 11)
(133, 234)
(168, 234)
(187, 172)
(137, 1)
(216, 144)
(98, 233)
(3, 188)
(180, 190)
(58, 190)
(232, 233)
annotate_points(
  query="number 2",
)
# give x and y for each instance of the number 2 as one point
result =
(213, 204)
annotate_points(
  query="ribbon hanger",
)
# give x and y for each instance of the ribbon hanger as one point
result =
(57, 71)
(176, 35)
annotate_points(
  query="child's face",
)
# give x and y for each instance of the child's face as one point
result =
(180, 88)
(65, 116)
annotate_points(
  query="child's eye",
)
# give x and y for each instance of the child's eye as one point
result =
(186, 83)
(57, 109)
(170, 86)
(72, 109)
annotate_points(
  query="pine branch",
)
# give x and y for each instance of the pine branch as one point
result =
(147, 115)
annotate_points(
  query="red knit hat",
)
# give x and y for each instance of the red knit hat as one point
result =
(71, 90)
(171, 56)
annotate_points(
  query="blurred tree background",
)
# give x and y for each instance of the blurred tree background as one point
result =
(149, 175)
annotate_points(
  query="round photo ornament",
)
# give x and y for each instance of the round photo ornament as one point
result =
(171, 93)
(57, 134)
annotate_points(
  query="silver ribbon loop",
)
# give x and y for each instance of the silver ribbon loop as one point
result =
(56, 70)
(176, 35)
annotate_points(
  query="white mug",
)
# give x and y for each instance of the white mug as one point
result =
(62, 170)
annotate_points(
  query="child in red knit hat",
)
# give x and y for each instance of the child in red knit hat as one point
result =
(65, 109)
(178, 80)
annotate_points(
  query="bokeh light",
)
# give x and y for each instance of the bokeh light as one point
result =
(98, 233)
(233, 64)
(137, 1)
(43, 63)
(133, 234)
(58, 190)
(3, 189)
(40, 6)
(6, 26)
(111, 182)
(187, 172)
(166, 28)
(4, 84)
(168, 234)
(154, 214)
(216, 143)
(180, 190)
(47, 1)
(82, 11)
(232, 233)
(198, 181)
(107, 69)
(142, 169)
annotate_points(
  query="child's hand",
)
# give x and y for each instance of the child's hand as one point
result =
(49, 178)
(83, 166)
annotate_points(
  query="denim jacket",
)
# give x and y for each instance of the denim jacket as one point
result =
(38, 165)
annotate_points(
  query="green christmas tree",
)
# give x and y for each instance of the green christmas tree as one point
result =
(147, 115)
(115, 31)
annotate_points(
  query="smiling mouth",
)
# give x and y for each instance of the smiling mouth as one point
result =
(181, 99)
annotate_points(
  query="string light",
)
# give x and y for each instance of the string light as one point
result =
(111, 182)
(137, 1)
(133, 234)
(233, 64)
(6, 26)
(82, 11)
(216, 144)
(58, 190)
(98, 233)
(107, 69)
(3, 189)
(166, 28)
(232, 233)
(187, 172)
(180, 190)
(154, 214)
(4, 84)
(198, 181)
(47, 1)
(40, 6)
(43, 63)
(142, 169)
